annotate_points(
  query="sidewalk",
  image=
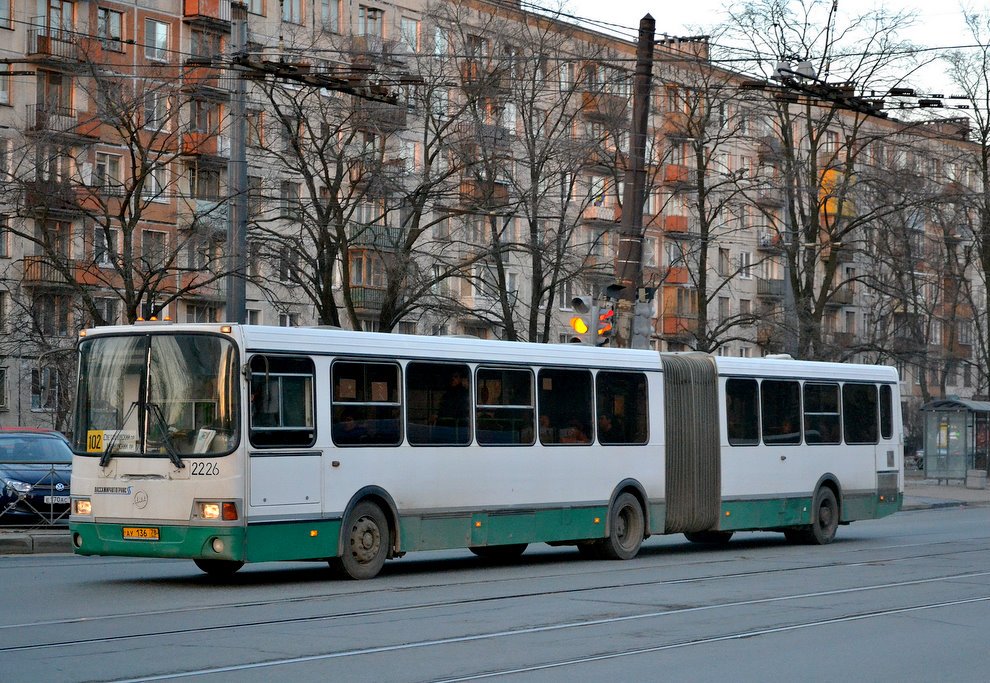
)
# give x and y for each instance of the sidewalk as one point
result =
(919, 494)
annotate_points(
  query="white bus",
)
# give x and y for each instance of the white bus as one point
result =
(228, 444)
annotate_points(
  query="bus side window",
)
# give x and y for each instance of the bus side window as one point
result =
(438, 404)
(821, 413)
(504, 413)
(282, 401)
(365, 404)
(886, 412)
(565, 406)
(780, 410)
(742, 412)
(622, 411)
(859, 407)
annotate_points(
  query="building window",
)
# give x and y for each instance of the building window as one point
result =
(289, 199)
(107, 308)
(4, 236)
(4, 83)
(104, 246)
(45, 384)
(292, 11)
(203, 116)
(256, 7)
(51, 315)
(410, 33)
(5, 13)
(155, 108)
(204, 183)
(155, 181)
(288, 264)
(201, 313)
(330, 14)
(153, 245)
(106, 172)
(108, 29)
(745, 265)
(288, 320)
(3, 389)
(253, 316)
(371, 21)
(156, 40)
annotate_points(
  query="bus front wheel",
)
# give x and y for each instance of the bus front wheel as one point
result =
(366, 542)
(218, 568)
(627, 527)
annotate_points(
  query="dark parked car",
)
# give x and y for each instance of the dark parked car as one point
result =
(35, 466)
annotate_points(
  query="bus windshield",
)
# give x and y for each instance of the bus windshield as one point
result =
(157, 395)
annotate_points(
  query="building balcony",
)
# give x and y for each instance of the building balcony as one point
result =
(844, 296)
(368, 51)
(51, 44)
(676, 174)
(53, 197)
(367, 298)
(675, 224)
(679, 324)
(601, 214)
(483, 139)
(769, 289)
(841, 339)
(378, 237)
(769, 150)
(482, 193)
(770, 241)
(604, 105)
(205, 144)
(478, 77)
(958, 350)
(676, 124)
(212, 13)
(207, 81)
(677, 275)
(40, 270)
(379, 115)
(52, 118)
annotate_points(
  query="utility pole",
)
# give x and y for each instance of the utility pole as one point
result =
(629, 262)
(237, 175)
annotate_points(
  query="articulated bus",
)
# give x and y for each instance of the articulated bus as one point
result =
(228, 444)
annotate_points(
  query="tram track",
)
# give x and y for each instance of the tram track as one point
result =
(591, 623)
(462, 602)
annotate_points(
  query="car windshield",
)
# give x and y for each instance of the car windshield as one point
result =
(34, 448)
(157, 394)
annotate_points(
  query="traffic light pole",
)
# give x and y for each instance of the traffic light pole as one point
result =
(629, 262)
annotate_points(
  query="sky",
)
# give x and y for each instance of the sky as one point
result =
(939, 22)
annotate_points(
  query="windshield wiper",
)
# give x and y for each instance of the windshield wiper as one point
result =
(173, 455)
(111, 444)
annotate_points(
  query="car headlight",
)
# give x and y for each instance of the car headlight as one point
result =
(19, 486)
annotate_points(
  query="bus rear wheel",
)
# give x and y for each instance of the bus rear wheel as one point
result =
(499, 553)
(627, 528)
(709, 537)
(365, 542)
(824, 521)
(218, 568)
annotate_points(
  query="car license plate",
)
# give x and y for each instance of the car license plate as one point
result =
(145, 533)
(57, 500)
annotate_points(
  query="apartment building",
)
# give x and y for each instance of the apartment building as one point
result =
(444, 168)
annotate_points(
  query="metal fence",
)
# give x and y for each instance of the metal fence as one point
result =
(34, 495)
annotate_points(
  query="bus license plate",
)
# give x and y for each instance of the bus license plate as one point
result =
(145, 533)
(57, 500)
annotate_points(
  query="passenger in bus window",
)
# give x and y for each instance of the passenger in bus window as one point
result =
(575, 433)
(349, 430)
(608, 431)
(453, 409)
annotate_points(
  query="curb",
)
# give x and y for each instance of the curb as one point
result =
(26, 543)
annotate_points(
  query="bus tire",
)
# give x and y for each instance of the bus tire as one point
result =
(499, 553)
(627, 528)
(218, 568)
(365, 545)
(824, 521)
(708, 537)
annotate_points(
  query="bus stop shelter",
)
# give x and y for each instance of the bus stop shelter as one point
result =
(957, 438)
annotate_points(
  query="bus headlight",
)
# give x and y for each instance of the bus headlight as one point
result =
(82, 506)
(227, 511)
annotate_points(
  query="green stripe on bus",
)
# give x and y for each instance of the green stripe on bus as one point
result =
(176, 541)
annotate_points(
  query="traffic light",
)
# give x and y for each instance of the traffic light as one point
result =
(605, 326)
(642, 325)
(584, 319)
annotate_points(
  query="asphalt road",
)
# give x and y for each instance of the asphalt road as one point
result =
(906, 598)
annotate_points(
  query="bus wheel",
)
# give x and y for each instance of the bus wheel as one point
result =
(499, 553)
(626, 530)
(219, 568)
(824, 521)
(366, 542)
(709, 537)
